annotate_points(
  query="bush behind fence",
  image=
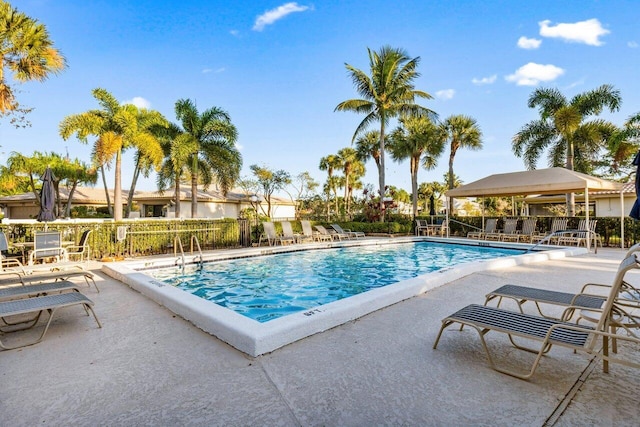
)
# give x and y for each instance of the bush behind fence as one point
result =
(137, 237)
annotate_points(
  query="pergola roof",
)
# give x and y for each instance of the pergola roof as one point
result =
(539, 181)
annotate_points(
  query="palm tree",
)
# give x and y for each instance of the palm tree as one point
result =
(622, 146)
(118, 127)
(25, 50)
(422, 142)
(178, 148)
(350, 163)
(562, 129)
(386, 94)
(461, 132)
(216, 157)
(368, 147)
(149, 153)
(330, 163)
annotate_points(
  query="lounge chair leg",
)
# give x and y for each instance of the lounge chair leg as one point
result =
(445, 323)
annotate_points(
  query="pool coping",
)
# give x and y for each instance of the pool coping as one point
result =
(255, 338)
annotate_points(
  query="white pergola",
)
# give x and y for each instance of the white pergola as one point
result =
(540, 181)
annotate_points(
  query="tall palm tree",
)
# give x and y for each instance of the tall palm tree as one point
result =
(421, 141)
(622, 146)
(563, 130)
(26, 51)
(368, 147)
(461, 132)
(386, 94)
(178, 148)
(216, 157)
(330, 163)
(117, 128)
(350, 164)
(149, 153)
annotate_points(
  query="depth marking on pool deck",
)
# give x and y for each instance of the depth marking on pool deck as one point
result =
(255, 338)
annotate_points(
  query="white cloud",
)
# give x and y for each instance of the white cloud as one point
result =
(211, 70)
(632, 44)
(587, 32)
(139, 102)
(484, 80)
(531, 74)
(445, 94)
(526, 43)
(235, 33)
(239, 146)
(273, 15)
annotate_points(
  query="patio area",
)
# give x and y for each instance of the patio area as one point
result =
(147, 366)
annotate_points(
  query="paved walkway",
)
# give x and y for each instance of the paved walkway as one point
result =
(149, 367)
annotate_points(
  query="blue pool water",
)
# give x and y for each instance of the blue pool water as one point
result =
(267, 287)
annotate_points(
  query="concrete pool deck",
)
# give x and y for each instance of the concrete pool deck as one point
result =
(147, 366)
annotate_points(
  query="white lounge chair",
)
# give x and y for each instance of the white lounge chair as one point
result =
(287, 236)
(490, 226)
(334, 236)
(354, 234)
(309, 235)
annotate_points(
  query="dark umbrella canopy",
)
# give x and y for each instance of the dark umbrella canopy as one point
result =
(432, 205)
(635, 210)
(47, 197)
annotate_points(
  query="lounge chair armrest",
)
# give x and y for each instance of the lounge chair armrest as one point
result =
(599, 285)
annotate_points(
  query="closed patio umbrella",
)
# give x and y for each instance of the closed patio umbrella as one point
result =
(47, 198)
(635, 210)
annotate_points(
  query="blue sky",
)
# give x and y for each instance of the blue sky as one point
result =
(278, 69)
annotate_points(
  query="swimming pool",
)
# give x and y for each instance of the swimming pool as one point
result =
(269, 287)
(255, 338)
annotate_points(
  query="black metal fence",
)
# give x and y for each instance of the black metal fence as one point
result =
(138, 237)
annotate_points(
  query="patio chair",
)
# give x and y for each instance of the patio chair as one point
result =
(307, 232)
(510, 232)
(548, 332)
(581, 235)
(47, 245)
(8, 260)
(38, 305)
(269, 234)
(557, 225)
(81, 251)
(287, 236)
(16, 292)
(421, 225)
(629, 295)
(354, 234)
(490, 226)
(528, 230)
(27, 277)
(438, 229)
(334, 236)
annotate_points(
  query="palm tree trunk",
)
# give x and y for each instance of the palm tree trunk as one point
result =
(67, 210)
(194, 188)
(136, 175)
(117, 191)
(177, 196)
(414, 185)
(346, 192)
(381, 170)
(571, 197)
(106, 190)
(451, 157)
